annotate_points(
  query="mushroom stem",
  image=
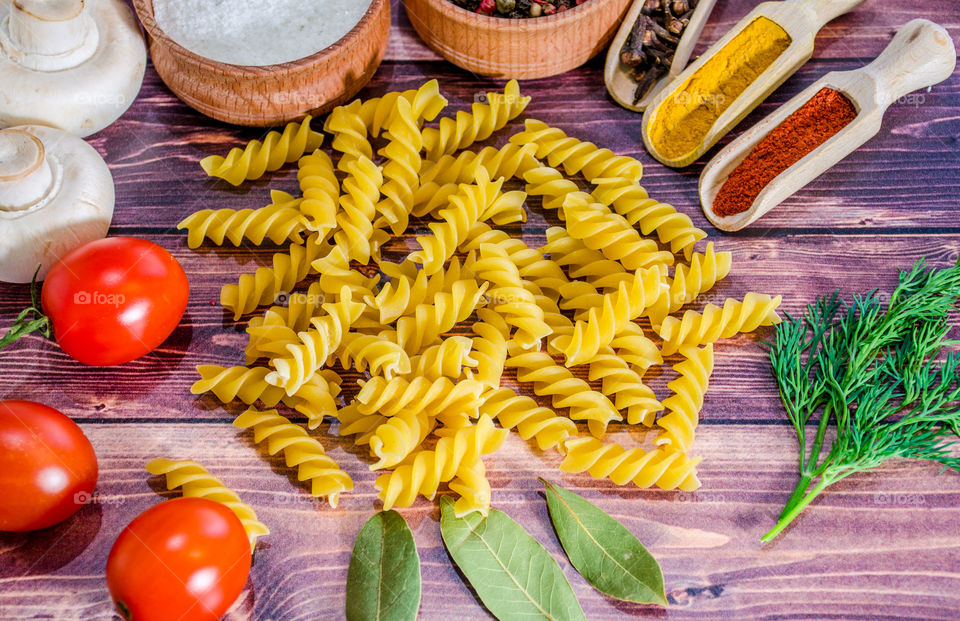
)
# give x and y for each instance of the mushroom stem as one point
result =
(25, 175)
(52, 35)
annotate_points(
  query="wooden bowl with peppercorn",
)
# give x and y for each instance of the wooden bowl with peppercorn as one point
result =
(522, 39)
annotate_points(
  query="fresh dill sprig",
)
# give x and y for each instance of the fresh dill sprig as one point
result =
(875, 375)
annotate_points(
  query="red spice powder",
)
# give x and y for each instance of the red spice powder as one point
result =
(807, 128)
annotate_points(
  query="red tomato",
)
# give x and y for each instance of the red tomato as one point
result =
(184, 559)
(114, 300)
(47, 466)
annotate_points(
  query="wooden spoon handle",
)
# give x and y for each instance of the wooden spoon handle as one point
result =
(823, 11)
(921, 54)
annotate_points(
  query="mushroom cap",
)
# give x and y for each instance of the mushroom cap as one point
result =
(76, 209)
(85, 99)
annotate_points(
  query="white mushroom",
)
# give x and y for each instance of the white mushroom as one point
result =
(68, 65)
(56, 194)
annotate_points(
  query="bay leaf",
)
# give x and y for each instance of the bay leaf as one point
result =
(515, 576)
(383, 582)
(605, 553)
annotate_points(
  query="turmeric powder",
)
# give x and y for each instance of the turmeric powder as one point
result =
(683, 120)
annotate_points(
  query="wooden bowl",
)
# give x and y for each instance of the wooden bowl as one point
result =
(524, 49)
(271, 94)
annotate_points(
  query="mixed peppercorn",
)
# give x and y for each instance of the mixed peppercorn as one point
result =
(517, 8)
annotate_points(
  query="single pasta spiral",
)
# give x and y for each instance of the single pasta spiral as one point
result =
(704, 271)
(247, 384)
(424, 471)
(349, 134)
(664, 467)
(624, 387)
(300, 451)
(316, 345)
(636, 348)
(426, 103)
(552, 186)
(566, 391)
(398, 395)
(474, 488)
(317, 398)
(423, 328)
(575, 155)
(716, 323)
(257, 157)
(451, 358)
(196, 482)
(510, 297)
(401, 295)
(321, 191)
(398, 437)
(263, 286)
(453, 135)
(336, 273)
(530, 419)
(617, 310)
(402, 167)
(490, 347)
(269, 336)
(630, 200)
(507, 162)
(381, 354)
(279, 222)
(358, 209)
(603, 230)
(583, 262)
(684, 405)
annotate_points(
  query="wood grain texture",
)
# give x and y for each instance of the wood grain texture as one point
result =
(884, 545)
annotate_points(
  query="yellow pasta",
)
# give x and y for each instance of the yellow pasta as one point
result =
(335, 274)
(321, 191)
(247, 384)
(630, 200)
(507, 162)
(426, 103)
(316, 399)
(704, 271)
(424, 471)
(299, 450)
(618, 309)
(353, 422)
(636, 348)
(196, 482)
(583, 263)
(355, 234)
(576, 156)
(716, 323)
(262, 287)
(258, 158)
(398, 437)
(402, 168)
(550, 184)
(530, 419)
(279, 222)
(684, 404)
(279, 325)
(451, 358)
(381, 354)
(401, 295)
(422, 329)
(624, 387)
(664, 467)
(490, 347)
(469, 127)
(565, 390)
(601, 229)
(474, 489)
(349, 132)
(400, 395)
(316, 345)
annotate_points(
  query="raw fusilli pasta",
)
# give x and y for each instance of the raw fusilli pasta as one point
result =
(508, 161)
(299, 450)
(716, 323)
(550, 184)
(490, 347)
(530, 419)
(474, 488)
(423, 328)
(247, 384)
(704, 271)
(196, 482)
(624, 387)
(684, 405)
(402, 167)
(664, 467)
(451, 358)
(381, 354)
(398, 437)
(355, 234)
(279, 222)
(575, 155)
(401, 295)
(398, 395)
(321, 191)
(257, 157)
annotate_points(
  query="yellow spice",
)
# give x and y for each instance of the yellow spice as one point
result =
(683, 119)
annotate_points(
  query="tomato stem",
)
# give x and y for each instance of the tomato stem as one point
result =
(23, 325)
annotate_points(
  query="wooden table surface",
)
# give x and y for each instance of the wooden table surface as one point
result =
(880, 545)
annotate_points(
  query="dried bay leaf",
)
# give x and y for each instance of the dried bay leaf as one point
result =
(383, 582)
(515, 576)
(605, 553)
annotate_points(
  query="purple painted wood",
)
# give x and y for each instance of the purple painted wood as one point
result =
(881, 545)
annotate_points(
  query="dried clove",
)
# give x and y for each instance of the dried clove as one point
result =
(653, 39)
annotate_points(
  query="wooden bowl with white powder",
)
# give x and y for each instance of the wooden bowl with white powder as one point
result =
(265, 63)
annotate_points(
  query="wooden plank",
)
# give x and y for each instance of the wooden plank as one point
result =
(854, 554)
(799, 267)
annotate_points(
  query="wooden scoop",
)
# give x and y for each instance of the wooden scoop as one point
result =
(621, 85)
(920, 55)
(801, 19)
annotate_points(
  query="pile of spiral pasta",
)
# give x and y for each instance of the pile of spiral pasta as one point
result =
(537, 311)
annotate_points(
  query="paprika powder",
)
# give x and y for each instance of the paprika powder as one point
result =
(811, 125)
